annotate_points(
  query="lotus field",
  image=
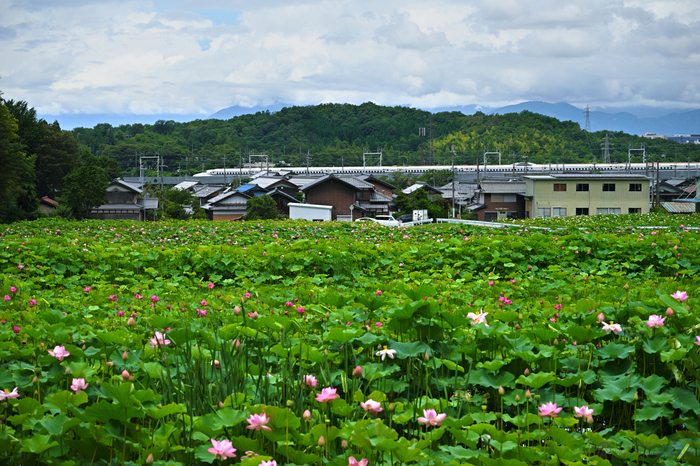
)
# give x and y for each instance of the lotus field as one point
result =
(298, 343)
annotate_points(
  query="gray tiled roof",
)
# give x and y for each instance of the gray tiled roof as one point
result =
(206, 191)
(513, 187)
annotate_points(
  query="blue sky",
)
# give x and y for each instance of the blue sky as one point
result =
(192, 58)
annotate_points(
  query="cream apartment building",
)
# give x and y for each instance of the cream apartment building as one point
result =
(590, 194)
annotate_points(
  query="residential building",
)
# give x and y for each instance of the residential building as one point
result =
(124, 202)
(590, 194)
(499, 199)
(230, 205)
(344, 191)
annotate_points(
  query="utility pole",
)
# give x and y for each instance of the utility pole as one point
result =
(432, 154)
(421, 133)
(224, 165)
(308, 161)
(453, 181)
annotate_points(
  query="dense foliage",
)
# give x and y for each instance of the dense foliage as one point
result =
(173, 342)
(338, 134)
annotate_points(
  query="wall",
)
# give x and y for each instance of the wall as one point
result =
(334, 193)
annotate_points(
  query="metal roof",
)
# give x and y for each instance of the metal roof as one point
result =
(207, 190)
(461, 189)
(119, 207)
(187, 184)
(679, 207)
(421, 185)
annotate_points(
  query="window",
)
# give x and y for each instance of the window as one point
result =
(490, 216)
(608, 210)
(634, 210)
(558, 211)
(581, 210)
(608, 187)
(544, 212)
(635, 187)
(496, 197)
(582, 187)
(559, 186)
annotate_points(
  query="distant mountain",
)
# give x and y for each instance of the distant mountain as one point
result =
(670, 123)
(70, 121)
(631, 120)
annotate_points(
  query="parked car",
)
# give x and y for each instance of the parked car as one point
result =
(405, 218)
(386, 220)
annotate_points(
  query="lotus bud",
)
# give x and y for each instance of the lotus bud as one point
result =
(237, 310)
(636, 396)
(35, 379)
(67, 370)
(149, 460)
(131, 378)
(125, 374)
(627, 286)
(84, 347)
(221, 404)
(528, 394)
(426, 357)
(601, 317)
(321, 441)
(131, 322)
(236, 343)
(344, 444)
(500, 390)
(556, 341)
(125, 356)
(517, 397)
(537, 397)
(307, 415)
(527, 372)
(357, 372)
(669, 312)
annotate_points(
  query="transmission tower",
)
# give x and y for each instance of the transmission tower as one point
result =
(587, 112)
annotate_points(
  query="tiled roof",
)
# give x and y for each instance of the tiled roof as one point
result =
(461, 189)
(226, 195)
(347, 179)
(187, 184)
(375, 196)
(49, 201)
(132, 186)
(513, 187)
(207, 191)
(119, 207)
(421, 185)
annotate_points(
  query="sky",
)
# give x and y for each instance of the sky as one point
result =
(188, 59)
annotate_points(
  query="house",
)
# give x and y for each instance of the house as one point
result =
(463, 192)
(350, 196)
(230, 205)
(499, 199)
(380, 185)
(124, 202)
(206, 192)
(47, 205)
(586, 194)
(432, 192)
(282, 199)
(189, 185)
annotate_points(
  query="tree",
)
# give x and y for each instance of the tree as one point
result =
(57, 155)
(17, 198)
(261, 208)
(85, 187)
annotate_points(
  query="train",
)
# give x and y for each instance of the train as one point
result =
(518, 169)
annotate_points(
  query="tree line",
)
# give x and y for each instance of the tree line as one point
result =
(339, 134)
(39, 159)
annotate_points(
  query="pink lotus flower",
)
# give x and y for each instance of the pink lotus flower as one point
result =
(326, 395)
(269, 463)
(371, 406)
(222, 449)
(253, 315)
(155, 299)
(697, 342)
(378, 292)
(354, 462)
(203, 303)
(681, 296)
(201, 312)
(258, 422)
(113, 297)
(59, 353)
(6, 394)
(247, 295)
(159, 340)
(655, 321)
(584, 412)
(32, 302)
(87, 289)
(210, 286)
(479, 318)
(13, 289)
(310, 381)
(6, 298)
(432, 418)
(549, 410)
(78, 385)
(289, 304)
(611, 327)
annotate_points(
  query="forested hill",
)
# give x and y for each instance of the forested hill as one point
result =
(335, 134)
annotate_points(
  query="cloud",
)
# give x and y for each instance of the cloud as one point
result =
(200, 56)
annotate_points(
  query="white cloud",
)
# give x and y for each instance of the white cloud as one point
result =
(200, 56)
